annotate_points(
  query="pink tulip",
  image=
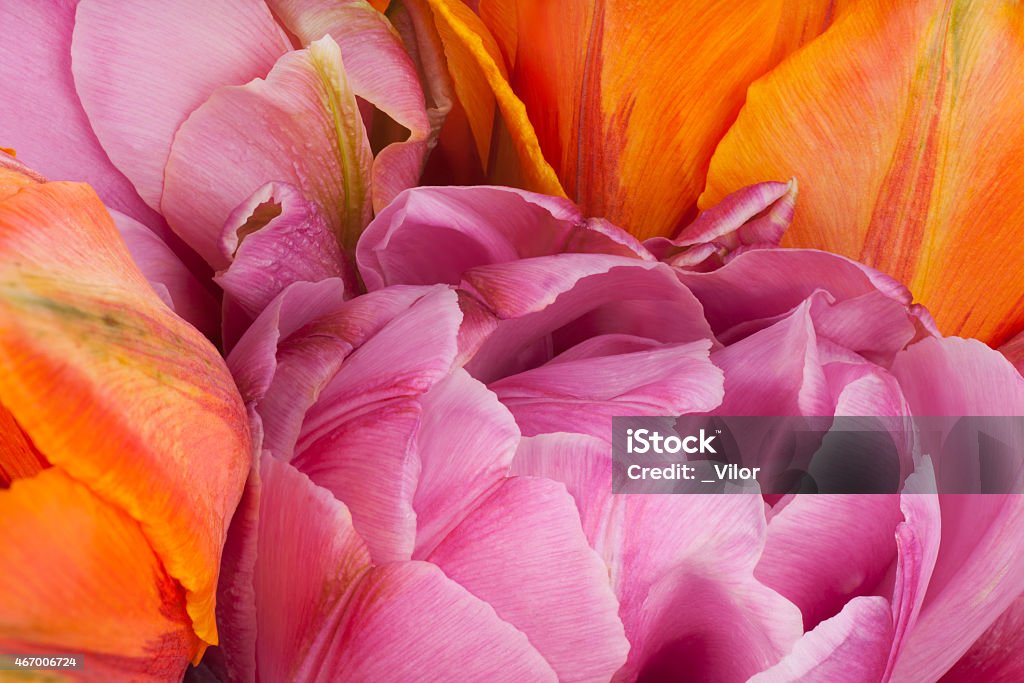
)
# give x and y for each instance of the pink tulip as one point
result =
(579, 323)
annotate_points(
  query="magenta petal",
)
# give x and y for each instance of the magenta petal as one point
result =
(979, 570)
(325, 611)
(851, 647)
(295, 245)
(754, 216)
(549, 304)
(56, 139)
(300, 126)
(436, 234)
(530, 529)
(135, 71)
(823, 550)
(995, 656)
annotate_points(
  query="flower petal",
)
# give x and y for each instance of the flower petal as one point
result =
(56, 139)
(609, 86)
(481, 83)
(81, 576)
(851, 647)
(888, 120)
(466, 227)
(379, 71)
(531, 529)
(115, 389)
(299, 126)
(135, 71)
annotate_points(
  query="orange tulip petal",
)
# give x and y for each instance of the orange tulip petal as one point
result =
(100, 591)
(481, 83)
(902, 123)
(629, 99)
(113, 388)
(18, 456)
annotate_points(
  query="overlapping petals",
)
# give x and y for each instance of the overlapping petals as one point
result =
(115, 527)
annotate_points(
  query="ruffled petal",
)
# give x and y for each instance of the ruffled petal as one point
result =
(300, 126)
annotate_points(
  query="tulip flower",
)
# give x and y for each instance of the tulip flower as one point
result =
(580, 322)
(123, 446)
(900, 120)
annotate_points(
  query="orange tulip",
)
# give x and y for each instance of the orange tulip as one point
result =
(900, 120)
(123, 446)
(617, 105)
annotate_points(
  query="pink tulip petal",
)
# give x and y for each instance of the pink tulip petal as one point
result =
(171, 279)
(980, 566)
(324, 611)
(466, 442)
(530, 529)
(380, 72)
(56, 139)
(766, 283)
(549, 304)
(436, 234)
(777, 371)
(338, 388)
(408, 622)
(823, 550)
(294, 245)
(851, 647)
(300, 126)
(995, 656)
(661, 551)
(754, 216)
(135, 71)
(699, 625)
(1014, 351)
(583, 395)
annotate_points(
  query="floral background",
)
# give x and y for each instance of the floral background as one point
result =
(315, 314)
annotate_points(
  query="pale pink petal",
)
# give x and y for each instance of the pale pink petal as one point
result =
(171, 279)
(324, 612)
(547, 305)
(436, 234)
(851, 647)
(300, 126)
(358, 438)
(582, 395)
(135, 69)
(309, 558)
(273, 239)
(381, 73)
(466, 442)
(40, 114)
(551, 585)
